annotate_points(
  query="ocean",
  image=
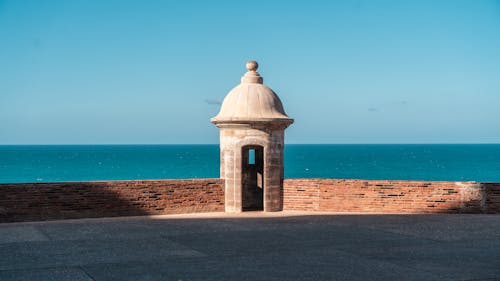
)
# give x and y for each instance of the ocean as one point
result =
(56, 163)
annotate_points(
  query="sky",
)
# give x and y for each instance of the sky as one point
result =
(155, 72)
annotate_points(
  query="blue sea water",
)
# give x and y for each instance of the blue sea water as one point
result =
(31, 163)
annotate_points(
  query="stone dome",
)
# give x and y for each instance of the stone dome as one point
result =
(251, 101)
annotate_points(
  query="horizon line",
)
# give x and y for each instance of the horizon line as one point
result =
(144, 144)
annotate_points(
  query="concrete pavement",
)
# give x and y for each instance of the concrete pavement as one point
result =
(254, 246)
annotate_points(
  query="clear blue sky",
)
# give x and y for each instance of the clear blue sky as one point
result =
(85, 72)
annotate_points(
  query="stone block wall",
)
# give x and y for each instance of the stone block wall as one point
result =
(64, 200)
(388, 196)
(234, 139)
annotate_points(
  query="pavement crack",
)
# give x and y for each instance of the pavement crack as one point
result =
(44, 233)
(87, 273)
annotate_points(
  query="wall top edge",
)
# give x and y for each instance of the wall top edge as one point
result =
(107, 181)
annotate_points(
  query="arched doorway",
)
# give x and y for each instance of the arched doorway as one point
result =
(252, 178)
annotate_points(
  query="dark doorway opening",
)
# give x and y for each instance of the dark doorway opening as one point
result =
(252, 178)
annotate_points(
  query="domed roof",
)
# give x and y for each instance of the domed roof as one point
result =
(251, 101)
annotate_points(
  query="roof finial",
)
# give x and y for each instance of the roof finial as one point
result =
(252, 65)
(252, 76)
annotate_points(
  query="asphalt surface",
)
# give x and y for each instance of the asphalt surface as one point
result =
(254, 246)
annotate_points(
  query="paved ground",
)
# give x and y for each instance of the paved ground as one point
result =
(255, 246)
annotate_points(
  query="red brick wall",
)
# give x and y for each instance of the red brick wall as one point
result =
(301, 194)
(44, 201)
(492, 200)
(386, 196)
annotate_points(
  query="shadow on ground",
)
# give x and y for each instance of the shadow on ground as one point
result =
(285, 246)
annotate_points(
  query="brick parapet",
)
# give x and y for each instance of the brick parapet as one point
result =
(491, 197)
(390, 196)
(63, 200)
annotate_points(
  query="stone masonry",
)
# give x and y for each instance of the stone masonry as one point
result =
(252, 118)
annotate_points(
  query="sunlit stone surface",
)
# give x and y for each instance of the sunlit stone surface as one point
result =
(252, 123)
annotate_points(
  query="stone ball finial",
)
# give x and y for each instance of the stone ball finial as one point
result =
(252, 65)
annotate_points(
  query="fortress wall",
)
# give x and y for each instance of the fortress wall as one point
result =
(492, 200)
(65, 200)
(390, 196)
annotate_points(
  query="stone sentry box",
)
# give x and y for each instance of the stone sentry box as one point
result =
(252, 122)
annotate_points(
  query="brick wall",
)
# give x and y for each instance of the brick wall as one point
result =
(386, 196)
(301, 194)
(492, 198)
(44, 201)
